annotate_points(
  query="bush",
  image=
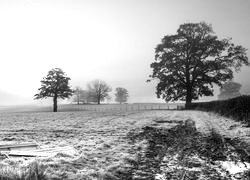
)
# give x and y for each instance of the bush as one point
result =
(237, 108)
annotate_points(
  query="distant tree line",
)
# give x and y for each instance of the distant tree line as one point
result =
(56, 86)
(98, 91)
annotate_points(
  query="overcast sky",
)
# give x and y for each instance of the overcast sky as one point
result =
(112, 40)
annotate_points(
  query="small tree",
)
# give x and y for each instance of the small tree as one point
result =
(55, 85)
(77, 93)
(121, 95)
(98, 91)
(229, 90)
(80, 96)
(189, 63)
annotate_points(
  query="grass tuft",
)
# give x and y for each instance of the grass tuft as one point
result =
(34, 171)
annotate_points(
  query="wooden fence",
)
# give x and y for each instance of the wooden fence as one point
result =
(117, 107)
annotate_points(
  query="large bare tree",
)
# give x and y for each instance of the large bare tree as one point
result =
(98, 91)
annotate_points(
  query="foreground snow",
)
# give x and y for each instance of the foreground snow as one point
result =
(101, 139)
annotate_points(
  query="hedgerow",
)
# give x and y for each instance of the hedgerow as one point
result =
(237, 108)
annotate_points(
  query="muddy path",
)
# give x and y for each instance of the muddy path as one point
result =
(181, 152)
(172, 148)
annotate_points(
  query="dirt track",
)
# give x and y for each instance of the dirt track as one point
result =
(224, 126)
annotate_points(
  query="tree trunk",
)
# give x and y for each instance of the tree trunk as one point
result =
(78, 98)
(98, 101)
(188, 98)
(188, 86)
(55, 103)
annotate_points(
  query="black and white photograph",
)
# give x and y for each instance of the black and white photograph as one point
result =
(124, 90)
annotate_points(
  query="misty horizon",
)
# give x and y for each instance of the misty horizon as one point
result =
(109, 40)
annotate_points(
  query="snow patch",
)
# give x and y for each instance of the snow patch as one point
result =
(234, 168)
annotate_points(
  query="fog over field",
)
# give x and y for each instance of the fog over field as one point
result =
(110, 40)
(124, 89)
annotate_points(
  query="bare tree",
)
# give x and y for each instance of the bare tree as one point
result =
(121, 95)
(98, 91)
(77, 92)
(80, 95)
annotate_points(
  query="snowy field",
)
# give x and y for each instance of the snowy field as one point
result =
(126, 145)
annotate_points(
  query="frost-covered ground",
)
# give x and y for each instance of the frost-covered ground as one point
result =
(120, 145)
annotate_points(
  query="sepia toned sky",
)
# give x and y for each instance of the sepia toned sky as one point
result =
(112, 40)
